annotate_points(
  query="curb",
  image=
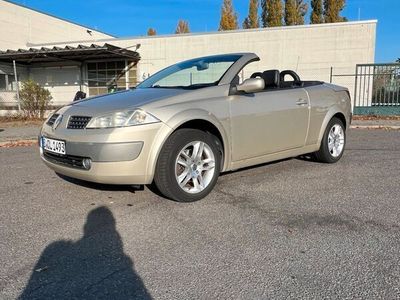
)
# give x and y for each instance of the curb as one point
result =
(382, 127)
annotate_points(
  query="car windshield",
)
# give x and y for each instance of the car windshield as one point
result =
(192, 74)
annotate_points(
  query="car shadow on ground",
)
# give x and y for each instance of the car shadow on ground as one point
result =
(309, 158)
(102, 187)
(94, 267)
(112, 187)
(271, 163)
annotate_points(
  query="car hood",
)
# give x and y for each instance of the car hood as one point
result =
(123, 100)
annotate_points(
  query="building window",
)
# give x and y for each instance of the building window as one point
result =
(110, 76)
(3, 82)
(7, 83)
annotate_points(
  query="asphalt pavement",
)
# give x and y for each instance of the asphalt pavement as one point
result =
(293, 229)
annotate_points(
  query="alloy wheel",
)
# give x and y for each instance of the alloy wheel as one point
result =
(195, 167)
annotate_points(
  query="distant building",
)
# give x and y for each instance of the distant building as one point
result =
(66, 57)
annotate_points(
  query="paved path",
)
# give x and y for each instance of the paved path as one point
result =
(293, 229)
(8, 134)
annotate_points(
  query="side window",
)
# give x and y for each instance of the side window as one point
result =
(7, 83)
(3, 83)
(12, 84)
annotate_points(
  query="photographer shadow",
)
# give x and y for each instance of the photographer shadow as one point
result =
(94, 267)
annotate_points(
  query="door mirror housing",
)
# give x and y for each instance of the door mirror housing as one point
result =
(251, 85)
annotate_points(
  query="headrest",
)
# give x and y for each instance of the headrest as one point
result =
(256, 74)
(271, 78)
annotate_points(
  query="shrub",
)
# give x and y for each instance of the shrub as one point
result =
(35, 100)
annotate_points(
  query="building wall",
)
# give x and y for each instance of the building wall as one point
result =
(311, 50)
(20, 26)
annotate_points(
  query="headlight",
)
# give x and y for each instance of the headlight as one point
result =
(123, 119)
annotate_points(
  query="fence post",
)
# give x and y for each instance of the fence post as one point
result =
(330, 78)
(355, 88)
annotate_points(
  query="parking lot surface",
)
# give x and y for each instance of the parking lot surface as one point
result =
(291, 229)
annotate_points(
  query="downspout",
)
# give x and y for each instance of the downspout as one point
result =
(17, 85)
(81, 75)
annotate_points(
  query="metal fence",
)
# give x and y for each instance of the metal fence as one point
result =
(375, 88)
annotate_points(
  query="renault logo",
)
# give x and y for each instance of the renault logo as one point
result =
(57, 122)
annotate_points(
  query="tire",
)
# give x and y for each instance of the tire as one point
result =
(180, 174)
(333, 142)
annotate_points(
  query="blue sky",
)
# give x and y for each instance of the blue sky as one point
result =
(134, 17)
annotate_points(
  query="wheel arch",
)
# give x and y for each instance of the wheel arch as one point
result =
(334, 113)
(195, 119)
(206, 126)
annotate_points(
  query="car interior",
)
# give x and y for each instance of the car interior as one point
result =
(287, 79)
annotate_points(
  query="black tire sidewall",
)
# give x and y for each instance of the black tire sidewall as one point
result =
(165, 178)
(324, 153)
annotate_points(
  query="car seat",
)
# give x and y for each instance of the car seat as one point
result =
(271, 78)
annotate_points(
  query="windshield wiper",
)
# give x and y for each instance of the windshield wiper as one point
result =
(186, 87)
(168, 87)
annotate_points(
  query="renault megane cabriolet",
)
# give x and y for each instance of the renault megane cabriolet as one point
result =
(186, 124)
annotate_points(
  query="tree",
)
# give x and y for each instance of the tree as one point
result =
(229, 19)
(295, 11)
(272, 13)
(332, 9)
(317, 14)
(252, 20)
(151, 32)
(182, 27)
(290, 12)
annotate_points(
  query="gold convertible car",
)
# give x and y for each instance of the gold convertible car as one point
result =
(186, 124)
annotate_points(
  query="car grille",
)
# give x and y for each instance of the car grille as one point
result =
(78, 122)
(52, 119)
(67, 160)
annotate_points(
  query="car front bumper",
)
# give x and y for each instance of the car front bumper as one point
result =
(118, 156)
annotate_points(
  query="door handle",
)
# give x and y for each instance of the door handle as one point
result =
(301, 102)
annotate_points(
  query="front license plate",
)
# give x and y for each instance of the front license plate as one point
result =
(54, 146)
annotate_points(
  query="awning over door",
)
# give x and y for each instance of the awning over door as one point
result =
(79, 53)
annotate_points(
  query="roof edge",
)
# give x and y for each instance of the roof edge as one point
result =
(212, 33)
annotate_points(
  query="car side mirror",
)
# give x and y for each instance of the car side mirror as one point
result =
(251, 85)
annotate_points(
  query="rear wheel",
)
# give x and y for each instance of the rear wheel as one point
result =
(333, 142)
(188, 166)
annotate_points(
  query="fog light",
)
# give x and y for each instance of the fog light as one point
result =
(87, 163)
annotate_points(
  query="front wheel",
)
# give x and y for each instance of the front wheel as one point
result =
(333, 142)
(189, 165)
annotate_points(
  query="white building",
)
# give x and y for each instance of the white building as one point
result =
(58, 61)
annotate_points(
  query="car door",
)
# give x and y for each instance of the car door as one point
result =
(268, 122)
